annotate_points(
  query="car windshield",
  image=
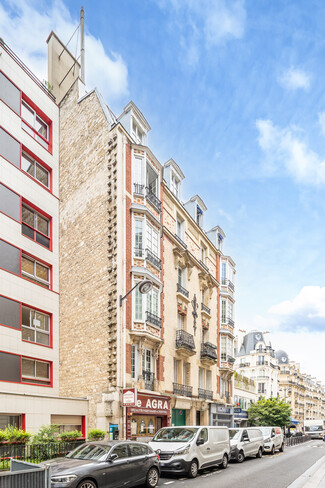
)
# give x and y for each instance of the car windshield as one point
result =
(265, 430)
(174, 434)
(234, 434)
(92, 452)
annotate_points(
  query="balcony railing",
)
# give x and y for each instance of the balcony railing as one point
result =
(207, 394)
(230, 359)
(231, 322)
(206, 309)
(180, 241)
(182, 290)
(149, 380)
(231, 286)
(227, 358)
(182, 390)
(184, 339)
(204, 266)
(153, 319)
(153, 199)
(208, 351)
(138, 189)
(153, 259)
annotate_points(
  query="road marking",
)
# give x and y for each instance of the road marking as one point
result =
(169, 482)
(210, 474)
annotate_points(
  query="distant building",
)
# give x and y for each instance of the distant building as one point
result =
(244, 395)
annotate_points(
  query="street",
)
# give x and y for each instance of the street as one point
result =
(277, 471)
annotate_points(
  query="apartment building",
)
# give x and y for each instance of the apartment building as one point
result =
(198, 353)
(29, 254)
(244, 395)
(118, 221)
(255, 359)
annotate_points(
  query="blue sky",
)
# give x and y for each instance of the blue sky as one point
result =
(233, 91)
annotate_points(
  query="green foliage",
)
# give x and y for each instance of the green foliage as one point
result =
(69, 436)
(46, 433)
(13, 434)
(96, 435)
(272, 411)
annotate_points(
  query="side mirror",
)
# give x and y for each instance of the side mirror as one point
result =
(112, 457)
(199, 442)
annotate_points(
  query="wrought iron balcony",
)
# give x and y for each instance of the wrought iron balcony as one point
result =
(180, 241)
(204, 266)
(153, 199)
(153, 319)
(138, 189)
(182, 290)
(231, 286)
(208, 351)
(207, 394)
(230, 359)
(149, 380)
(184, 339)
(206, 309)
(182, 390)
(153, 259)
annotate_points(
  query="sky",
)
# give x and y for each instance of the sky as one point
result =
(233, 91)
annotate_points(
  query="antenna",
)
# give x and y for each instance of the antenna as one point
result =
(82, 44)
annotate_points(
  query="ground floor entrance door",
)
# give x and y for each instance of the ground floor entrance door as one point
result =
(178, 417)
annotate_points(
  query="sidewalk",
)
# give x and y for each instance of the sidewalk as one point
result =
(314, 477)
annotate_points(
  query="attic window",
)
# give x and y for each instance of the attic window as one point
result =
(137, 133)
(174, 185)
(199, 215)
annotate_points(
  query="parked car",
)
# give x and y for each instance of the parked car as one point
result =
(111, 464)
(185, 450)
(273, 439)
(246, 442)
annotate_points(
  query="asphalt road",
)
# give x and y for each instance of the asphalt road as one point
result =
(277, 471)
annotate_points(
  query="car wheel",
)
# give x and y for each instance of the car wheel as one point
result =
(240, 457)
(282, 447)
(87, 484)
(224, 463)
(273, 449)
(259, 453)
(152, 478)
(193, 469)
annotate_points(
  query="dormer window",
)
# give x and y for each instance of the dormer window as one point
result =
(199, 215)
(137, 133)
(175, 185)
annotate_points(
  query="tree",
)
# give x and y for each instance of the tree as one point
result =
(271, 411)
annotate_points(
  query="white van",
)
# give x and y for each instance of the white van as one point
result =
(246, 442)
(187, 449)
(273, 439)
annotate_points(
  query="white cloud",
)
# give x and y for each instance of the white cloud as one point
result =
(211, 22)
(285, 150)
(295, 78)
(321, 120)
(25, 26)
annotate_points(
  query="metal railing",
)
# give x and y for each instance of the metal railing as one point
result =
(35, 453)
(153, 259)
(153, 319)
(208, 351)
(206, 309)
(231, 322)
(149, 380)
(231, 286)
(27, 70)
(204, 266)
(294, 440)
(184, 339)
(153, 199)
(182, 390)
(180, 241)
(207, 394)
(138, 189)
(182, 290)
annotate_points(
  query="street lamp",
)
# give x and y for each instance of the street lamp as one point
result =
(144, 287)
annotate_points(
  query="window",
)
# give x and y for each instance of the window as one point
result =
(35, 271)
(185, 365)
(36, 226)
(230, 310)
(261, 388)
(180, 227)
(137, 133)
(34, 371)
(176, 369)
(152, 301)
(34, 124)
(13, 420)
(203, 435)
(201, 378)
(152, 240)
(199, 216)
(138, 449)
(260, 360)
(138, 238)
(181, 277)
(175, 185)
(121, 451)
(35, 326)
(209, 380)
(152, 180)
(224, 273)
(35, 169)
(223, 311)
(203, 254)
(138, 304)
(147, 361)
(133, 361)
(180, 322)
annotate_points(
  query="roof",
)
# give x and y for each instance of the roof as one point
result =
(132, 106)
(199, 200)
(249, 342)
(171, 162)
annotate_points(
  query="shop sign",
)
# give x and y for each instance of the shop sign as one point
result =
(223, 410)
(129, 397)
(150, 404)
(237, 410)
(242, 415)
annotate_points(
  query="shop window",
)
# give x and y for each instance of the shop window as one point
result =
(36, 226)
(35, 326)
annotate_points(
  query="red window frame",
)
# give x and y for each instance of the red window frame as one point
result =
(43, 117)
(35, 231)
(45, 385)
(21, 304)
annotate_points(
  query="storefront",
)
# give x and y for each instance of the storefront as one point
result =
(221, 415)
(149, 414)
(240, 417)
